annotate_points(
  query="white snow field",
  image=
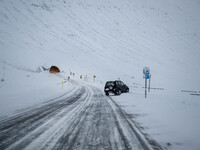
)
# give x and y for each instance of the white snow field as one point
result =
(110, 39)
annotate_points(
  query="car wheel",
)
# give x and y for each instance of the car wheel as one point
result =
(127, 90)
(107, 94)
(118, 92)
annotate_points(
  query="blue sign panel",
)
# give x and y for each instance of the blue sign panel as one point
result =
(146, 72)
(147, 75)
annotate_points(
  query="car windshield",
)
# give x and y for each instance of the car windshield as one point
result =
(109, 83)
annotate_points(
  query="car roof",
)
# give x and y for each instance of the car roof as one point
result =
(113, 81)
(109, 81)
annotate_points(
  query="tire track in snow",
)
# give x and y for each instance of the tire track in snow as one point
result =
(14, 128)
(89, 120)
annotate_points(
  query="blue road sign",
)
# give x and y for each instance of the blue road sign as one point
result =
(146, 72)
(147, 75)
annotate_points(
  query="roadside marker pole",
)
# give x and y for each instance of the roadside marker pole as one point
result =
(62, 84)
(4, 70)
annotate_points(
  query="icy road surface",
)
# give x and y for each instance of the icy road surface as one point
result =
(84, 120)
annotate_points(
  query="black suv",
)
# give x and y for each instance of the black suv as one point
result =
(116, 87)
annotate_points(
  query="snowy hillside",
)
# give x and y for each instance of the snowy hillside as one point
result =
(96, 36)
(108, 38)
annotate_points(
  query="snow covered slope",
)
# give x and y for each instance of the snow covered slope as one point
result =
(97, 36)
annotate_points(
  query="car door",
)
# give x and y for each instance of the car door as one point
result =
(118, 85)
(123, 87)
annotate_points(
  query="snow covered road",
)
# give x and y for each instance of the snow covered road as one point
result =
(85, 120)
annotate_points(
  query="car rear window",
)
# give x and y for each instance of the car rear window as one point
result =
(109, 83)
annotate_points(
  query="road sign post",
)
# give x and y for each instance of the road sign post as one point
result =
(149, 82)
(145, 88)
(146, 75)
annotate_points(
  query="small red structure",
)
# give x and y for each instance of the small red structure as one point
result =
(54, 69)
